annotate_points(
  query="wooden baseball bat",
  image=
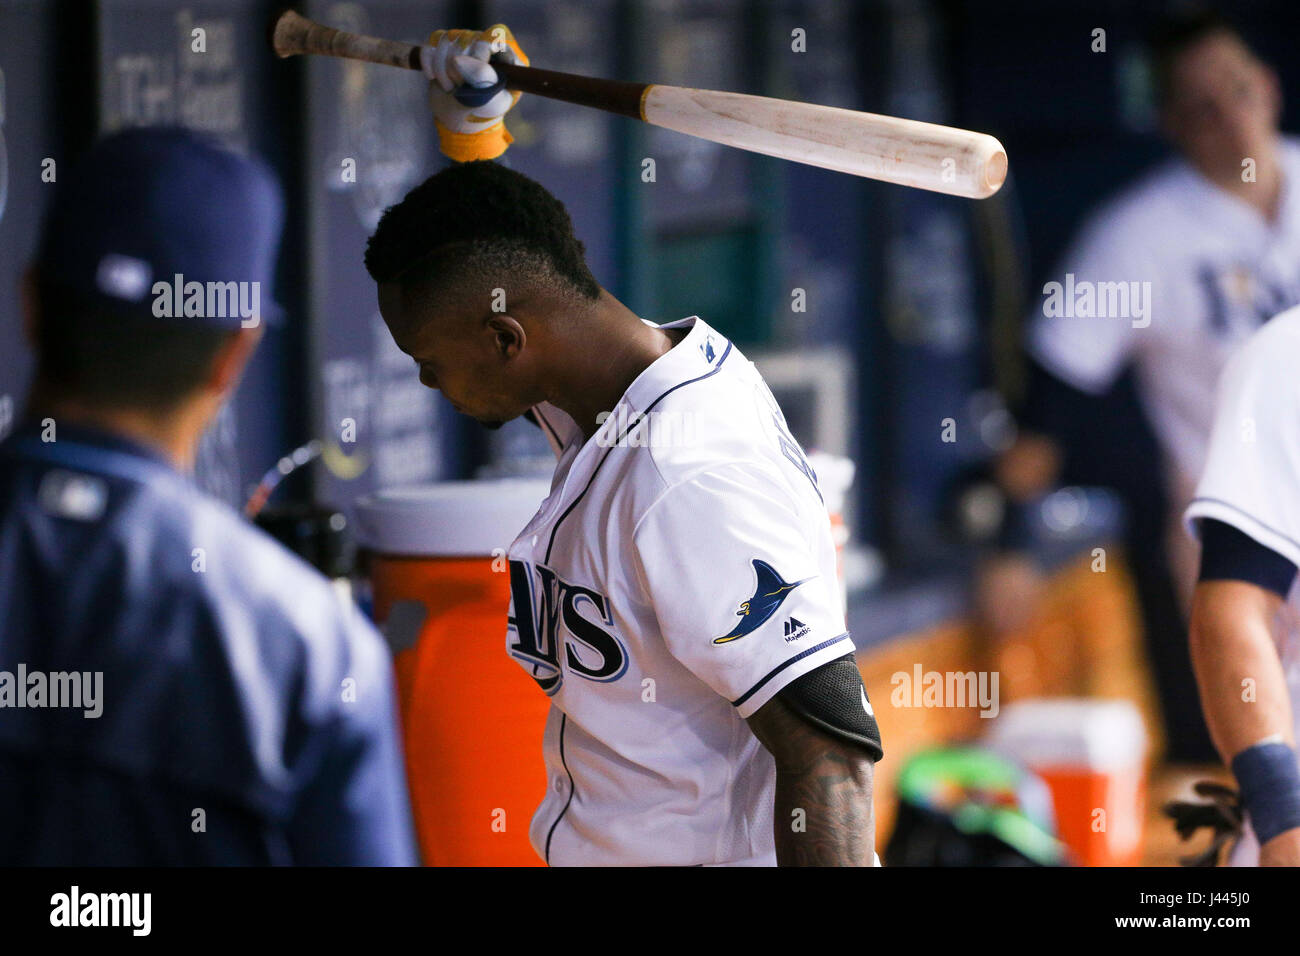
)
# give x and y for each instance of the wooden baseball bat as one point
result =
(894, 150)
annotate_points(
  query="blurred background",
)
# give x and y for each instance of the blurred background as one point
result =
(888, 321)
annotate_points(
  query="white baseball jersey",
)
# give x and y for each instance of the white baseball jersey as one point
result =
(1217, 270)
(680, 573)
(1252, 475)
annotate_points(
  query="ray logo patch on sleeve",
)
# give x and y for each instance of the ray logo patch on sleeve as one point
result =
(770, 592)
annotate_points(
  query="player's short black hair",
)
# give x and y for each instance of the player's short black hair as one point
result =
(1176, 33)
(480, 219)
(118, 359)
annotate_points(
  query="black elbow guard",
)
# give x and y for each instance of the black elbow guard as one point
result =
(833, 698)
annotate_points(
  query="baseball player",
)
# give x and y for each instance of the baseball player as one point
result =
(1214, 234)
(675, 596)
(1170, 277)
(175, 687)
(1245, 629)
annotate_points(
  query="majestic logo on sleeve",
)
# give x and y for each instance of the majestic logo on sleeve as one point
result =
(770, 592)
(550, 617)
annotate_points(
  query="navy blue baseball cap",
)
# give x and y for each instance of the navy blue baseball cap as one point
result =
(166, 222)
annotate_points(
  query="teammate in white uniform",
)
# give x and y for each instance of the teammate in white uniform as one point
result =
(1217, 269)
(1170, 277)
(1246, 612)
(1206, 249)
(676, 594)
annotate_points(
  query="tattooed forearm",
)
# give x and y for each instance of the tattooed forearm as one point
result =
(823, 818)
(823, 811)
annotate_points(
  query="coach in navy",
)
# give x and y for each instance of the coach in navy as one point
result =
(175, 687)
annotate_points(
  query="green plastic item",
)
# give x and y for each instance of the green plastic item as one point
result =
(982, 792)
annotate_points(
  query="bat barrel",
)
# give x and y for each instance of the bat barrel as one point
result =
(907, 152)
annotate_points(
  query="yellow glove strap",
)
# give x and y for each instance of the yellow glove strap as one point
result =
(466, 147)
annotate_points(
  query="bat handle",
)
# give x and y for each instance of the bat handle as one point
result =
(609, 95)
(293, 34)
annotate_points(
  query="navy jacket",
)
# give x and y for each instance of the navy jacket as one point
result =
(245, 713)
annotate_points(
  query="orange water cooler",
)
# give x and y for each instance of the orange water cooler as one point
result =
(1092, 755)
(472, 720)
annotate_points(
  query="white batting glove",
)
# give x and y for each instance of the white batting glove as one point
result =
(467, 133)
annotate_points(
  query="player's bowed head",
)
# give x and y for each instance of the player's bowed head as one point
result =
(483, 282)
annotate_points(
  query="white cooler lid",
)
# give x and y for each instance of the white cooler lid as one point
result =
(450, 518)
(1082, 732)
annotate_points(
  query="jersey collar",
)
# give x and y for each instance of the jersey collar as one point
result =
(88, 436)
(700, 353)
(1233, 208)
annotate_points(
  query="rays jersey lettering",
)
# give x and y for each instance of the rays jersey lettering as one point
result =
(555, 626)
(1237, 298)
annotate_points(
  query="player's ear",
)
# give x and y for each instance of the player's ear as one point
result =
(508, 336)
